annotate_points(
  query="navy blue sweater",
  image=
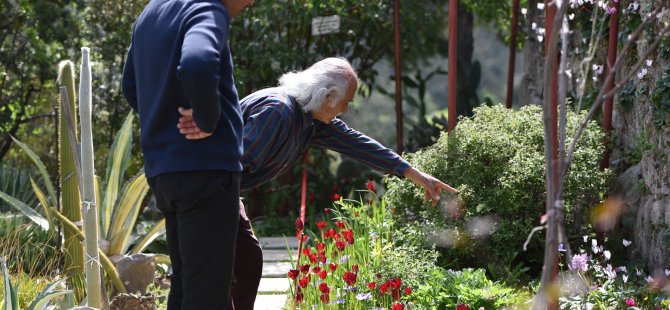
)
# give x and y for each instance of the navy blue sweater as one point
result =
(179, 57)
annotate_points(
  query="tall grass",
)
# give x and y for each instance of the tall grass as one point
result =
(27, 248)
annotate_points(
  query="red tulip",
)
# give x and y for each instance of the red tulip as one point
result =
(349, 278)
(304, 268)
(299, 297)
(398, 307)
(316, 269)
(372, 285)
(371, 186)
(340, 245)
(335, 197)
(304, 238)
(354, 268)
(312, 258)
(304, 281)
(384, 288)
(395, 293)
(408, 290)
(306, 251)
(462, 307)
(326, 210)
(325, 298)
(332, 266)
(293, 274)
(340, 224)
(323, 287)
(320, 246)
(321, 224)
(299, 225)
(323, 274)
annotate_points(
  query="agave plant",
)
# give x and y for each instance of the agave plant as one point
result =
(48, 295)
(119, 207)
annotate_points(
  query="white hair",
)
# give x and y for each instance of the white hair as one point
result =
(311, 86)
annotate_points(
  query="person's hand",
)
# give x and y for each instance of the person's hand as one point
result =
(187, 126)
(432, 186)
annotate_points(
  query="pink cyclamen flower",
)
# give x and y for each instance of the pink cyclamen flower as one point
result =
(580, 262)
(630, 302)
(611, 10)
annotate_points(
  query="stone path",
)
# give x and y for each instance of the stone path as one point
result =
(274, 287)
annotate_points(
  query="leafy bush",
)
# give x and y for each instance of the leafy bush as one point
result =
(470, 287)
(496, 159)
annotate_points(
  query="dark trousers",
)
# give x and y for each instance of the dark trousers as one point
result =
(248, 266)
(201, 211)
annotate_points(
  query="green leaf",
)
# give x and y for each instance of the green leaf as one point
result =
(49, 293)
(157, 230)
(117, 163)
(43, 202)
(125, 214)
(41, 168)
(11, 301)
(26, 210)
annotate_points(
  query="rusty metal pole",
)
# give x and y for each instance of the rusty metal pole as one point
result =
(550, 10)
(398, 77)
(453, 69)
(512, 54)
(611, 59)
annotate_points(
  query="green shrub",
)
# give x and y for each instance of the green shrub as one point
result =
(496, 159)
(470, 287)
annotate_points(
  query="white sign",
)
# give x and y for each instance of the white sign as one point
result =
(325, 24)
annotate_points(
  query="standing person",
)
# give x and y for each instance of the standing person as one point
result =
(279, 124)
(179, 57)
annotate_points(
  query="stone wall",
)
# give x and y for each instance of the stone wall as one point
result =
(640, 155)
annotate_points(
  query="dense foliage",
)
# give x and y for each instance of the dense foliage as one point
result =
(496, 159)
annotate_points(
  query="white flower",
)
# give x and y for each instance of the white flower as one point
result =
(667, 272)
(540, 6)
(649, 62)
(611, 273)
(626, 243)
(586, 238)
(533, 26)
(571, 16)
(598, 69)
(623, 269)
(638, 272)
(524, 11)
(540, 39)
(642, 73)
(649, 279)
(568, 72)
(607, 254)
(624, 278)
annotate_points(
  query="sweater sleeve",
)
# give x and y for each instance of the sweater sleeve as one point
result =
(128, 86)
(205, 37)
(338, 137)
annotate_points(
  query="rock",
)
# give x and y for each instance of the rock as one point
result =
(136, 271)
(133, 302)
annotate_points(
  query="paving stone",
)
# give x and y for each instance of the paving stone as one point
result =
(275, 269)
(270, 302)
(274, 285)
(278, 255)
(278, 243)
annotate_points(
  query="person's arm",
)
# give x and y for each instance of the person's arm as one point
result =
(198, 71)
(338, 137)
(432, 186)
(128, 86)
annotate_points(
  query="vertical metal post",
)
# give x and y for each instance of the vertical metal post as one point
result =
(398, 77)
(551, 9)
(611, 59)
(453, 69)
(512, 54)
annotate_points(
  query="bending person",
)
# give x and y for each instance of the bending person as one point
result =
(280, 123)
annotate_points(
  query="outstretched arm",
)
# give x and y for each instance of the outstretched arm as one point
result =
(432, 186)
